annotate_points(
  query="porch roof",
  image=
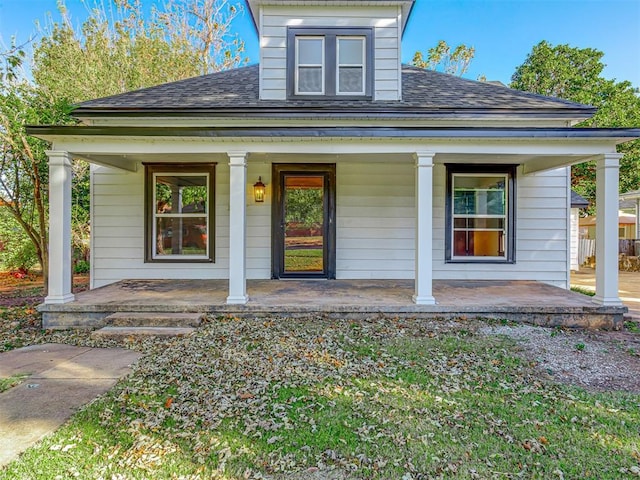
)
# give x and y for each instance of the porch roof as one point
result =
(618, 135)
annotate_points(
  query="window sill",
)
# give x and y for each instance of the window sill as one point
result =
(179, 260)
(331, 97)
(480, 260)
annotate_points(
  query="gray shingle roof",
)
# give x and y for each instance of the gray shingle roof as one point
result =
(423, 91)
(578, 201)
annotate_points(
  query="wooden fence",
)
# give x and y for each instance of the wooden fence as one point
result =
(631, 248)
(587, 248)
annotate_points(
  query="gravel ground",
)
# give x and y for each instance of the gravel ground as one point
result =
(593, 360)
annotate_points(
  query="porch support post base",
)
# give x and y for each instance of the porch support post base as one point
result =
(607, 173)
(607, 301)
(242, 300)
(237, 228)
(423, 300)
(60, 273)
(59, 299)
(424, 229)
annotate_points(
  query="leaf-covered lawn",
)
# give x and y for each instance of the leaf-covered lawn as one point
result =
(320, 398)
(303, 260)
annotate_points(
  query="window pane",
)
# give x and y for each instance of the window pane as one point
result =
(479, 195)
(350, 80)
(350, 51)
(181, 236)
(310, 51)
(310, 80)
(478, 243)
(181, 194)
(194, 199)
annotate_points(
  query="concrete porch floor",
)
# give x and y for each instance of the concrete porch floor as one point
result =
(520, 301)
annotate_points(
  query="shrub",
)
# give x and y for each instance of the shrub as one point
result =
(82, 266)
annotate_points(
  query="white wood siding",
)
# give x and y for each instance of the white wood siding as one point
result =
(375, 233)
(118, 230)
(541, 232)
(273, 43)
(375, 225)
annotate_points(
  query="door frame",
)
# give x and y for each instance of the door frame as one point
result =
(278, 172)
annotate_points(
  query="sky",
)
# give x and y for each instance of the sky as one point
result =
(502, 32)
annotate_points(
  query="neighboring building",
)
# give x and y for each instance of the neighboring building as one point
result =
(577, 202)
(626, 228)
(630, 204)
(372, 169)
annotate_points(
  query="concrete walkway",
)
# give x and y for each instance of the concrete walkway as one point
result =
(61, 379)
(628, 287)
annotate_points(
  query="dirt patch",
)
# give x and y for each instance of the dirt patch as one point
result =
(593, 360)
(17, 290)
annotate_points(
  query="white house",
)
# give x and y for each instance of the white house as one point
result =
(403, 173)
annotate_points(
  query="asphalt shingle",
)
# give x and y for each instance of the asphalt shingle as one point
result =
(423, 91)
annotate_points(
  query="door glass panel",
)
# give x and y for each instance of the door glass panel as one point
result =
(304, 223)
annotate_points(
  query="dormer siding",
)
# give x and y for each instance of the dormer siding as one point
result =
(384, 21)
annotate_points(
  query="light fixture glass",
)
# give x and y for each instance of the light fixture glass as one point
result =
(258, 191)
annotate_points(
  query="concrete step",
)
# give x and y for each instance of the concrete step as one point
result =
(121, 333)
(154, 319)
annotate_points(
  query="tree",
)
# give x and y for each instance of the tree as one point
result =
(23, 162)
(441, 58)
(576, 74)
(187, 38)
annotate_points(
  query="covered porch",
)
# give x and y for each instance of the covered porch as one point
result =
(517, 301)
(236, 287)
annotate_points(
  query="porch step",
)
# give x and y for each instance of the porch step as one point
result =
(154, 319)
(121, 333)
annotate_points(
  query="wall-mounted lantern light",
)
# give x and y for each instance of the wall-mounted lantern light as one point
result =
(258, 191)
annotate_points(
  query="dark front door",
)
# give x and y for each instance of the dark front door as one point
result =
(304, 221)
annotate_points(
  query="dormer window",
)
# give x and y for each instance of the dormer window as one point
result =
(334, 62)
(309, 65)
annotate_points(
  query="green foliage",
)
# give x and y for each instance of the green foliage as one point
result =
(18, 251)
(304, 206)
(82, 266)
(23, 161)
(123, 50)
(117, 49)
(12, 381)
(576, 74)
(441, 58)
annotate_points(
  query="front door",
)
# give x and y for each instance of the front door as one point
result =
(304, 221)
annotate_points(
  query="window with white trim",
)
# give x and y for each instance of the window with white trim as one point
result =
(330, 62)
(309, 65)
(179, 213)
(351, 65)
(480, 214)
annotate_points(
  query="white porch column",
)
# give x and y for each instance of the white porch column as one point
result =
(237, 227)
(60, 274)
(424, 229)
(607, 171)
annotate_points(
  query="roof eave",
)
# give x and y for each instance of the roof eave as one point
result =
(407, 8)
(574, 114)
(617, 135)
